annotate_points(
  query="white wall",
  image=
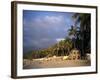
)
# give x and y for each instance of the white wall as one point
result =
(5, 41)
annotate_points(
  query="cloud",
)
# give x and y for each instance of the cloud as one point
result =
(47, 21)
(54, 19)
(59, 39)
(47, 26)
(45, 30)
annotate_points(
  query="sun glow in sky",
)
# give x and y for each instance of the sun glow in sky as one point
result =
(42, 29)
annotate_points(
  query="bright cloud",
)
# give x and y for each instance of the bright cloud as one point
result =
(47, 21)
(54, 19)
(59, 39)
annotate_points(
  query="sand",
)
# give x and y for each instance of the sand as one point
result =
(54, 63)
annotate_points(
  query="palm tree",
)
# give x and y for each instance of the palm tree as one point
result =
(85, 29)
(68, 45)
(73, 34)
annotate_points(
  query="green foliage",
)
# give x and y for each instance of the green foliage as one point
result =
(84, 33)
(28, 56)
(60, 49)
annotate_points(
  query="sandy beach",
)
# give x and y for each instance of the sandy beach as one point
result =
(54, 63)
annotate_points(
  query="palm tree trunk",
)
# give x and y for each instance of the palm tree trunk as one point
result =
(83, 43)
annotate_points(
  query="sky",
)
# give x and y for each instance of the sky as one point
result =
(42, 29)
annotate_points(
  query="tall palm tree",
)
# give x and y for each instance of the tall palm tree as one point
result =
(85, 29)
(73, 34)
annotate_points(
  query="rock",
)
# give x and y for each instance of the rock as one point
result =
(88, 56)
(54, 56)
(65, 57)
(74, 54)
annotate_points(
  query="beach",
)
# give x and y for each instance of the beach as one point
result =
(57, 62)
